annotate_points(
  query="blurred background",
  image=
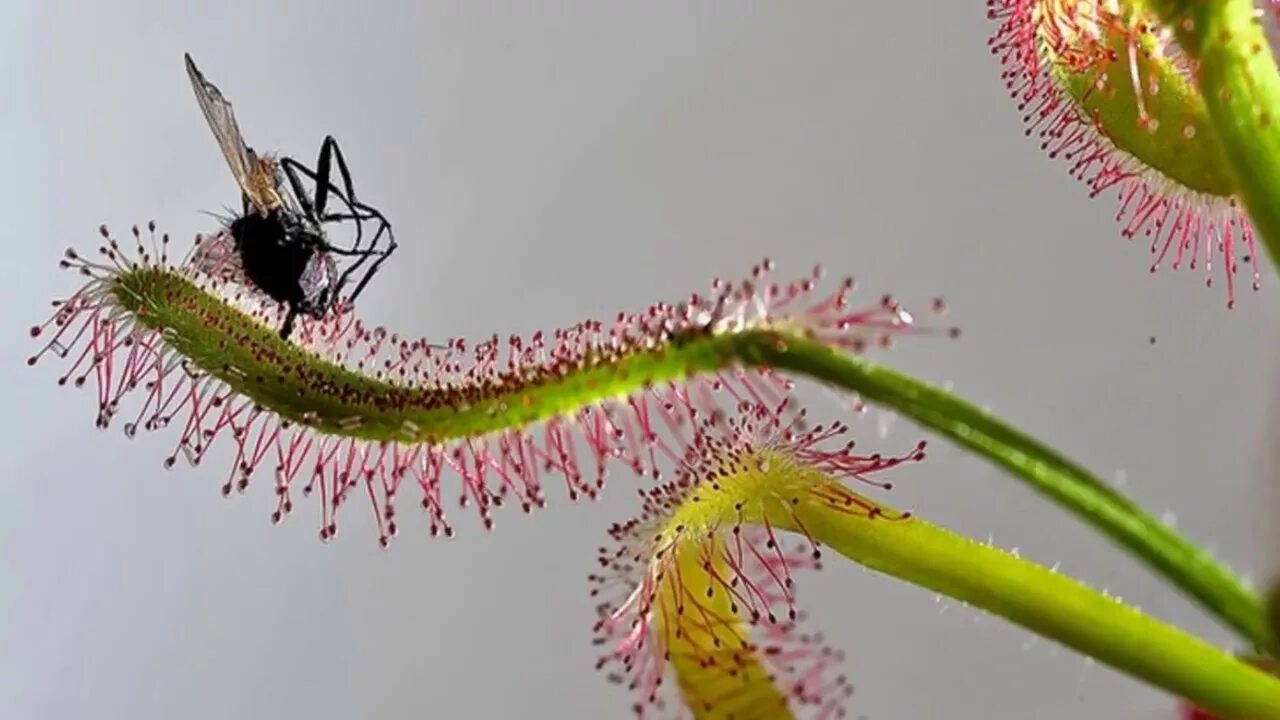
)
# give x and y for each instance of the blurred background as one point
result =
(543, 165)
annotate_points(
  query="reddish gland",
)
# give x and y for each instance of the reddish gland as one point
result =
(367, 426)
(1043, 43)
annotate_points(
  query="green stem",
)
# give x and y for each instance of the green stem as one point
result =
(1240, 84)
(1184, 564)
(1050, 604)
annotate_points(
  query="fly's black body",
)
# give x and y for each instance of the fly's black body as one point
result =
(286, 261)
(279, 245)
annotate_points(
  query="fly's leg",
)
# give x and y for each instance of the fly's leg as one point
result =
(291, 169)
(318, 206)
(381, 257)
(357, 212)
(286, 328)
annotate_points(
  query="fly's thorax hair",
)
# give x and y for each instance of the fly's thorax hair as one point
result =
(265, 181)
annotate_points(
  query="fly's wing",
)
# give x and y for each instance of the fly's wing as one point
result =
(317, 279)
(222, 121)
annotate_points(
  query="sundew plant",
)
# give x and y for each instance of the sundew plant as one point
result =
(1167, 106)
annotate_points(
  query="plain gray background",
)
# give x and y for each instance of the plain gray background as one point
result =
(545, 165)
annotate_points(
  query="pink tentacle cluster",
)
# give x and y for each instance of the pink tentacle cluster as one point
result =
(647, 611)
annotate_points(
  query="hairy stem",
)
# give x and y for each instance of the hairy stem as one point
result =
(1050, 604)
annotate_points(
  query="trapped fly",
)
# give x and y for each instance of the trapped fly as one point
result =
(278, 243)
